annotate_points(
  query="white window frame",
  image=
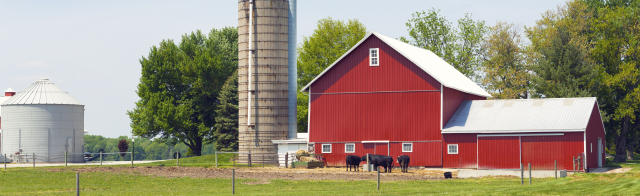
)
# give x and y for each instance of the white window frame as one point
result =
(409, 144)
(377, 57)
(323, 148)
(449, 148)
(354, 148)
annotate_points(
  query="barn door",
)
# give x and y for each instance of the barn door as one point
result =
(382, 149)
(499, 152)
(542, 151)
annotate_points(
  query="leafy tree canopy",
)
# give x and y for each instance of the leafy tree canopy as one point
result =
(460, 46)
(179, 87)
(563, 67)
(506, 63)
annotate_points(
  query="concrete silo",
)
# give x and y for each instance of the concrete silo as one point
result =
(45, 120)
(266, 75)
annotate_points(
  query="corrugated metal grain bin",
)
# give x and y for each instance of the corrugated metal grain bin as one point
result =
(45, 120)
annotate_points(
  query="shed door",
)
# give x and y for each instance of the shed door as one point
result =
(499, 152)
(542, 151)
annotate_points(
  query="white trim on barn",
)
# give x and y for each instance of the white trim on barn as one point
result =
(532, 134)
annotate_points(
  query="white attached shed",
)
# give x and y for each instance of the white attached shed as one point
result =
(290, 146)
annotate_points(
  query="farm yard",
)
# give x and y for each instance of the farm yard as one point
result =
(196, 176)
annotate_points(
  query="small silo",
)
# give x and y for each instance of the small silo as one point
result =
(45, 120)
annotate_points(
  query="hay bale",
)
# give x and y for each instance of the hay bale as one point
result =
(302, 152)
(308, 159)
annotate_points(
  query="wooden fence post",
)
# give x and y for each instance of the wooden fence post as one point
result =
(529, 173)
(521, 174)
(77, 184)
(286, 160)
(555, 168)
(233, 181)
(378, 179)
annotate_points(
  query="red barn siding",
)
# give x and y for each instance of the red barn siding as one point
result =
(395, 73)
(337, 155)
(541, 151)
(467, 151)
(423, 154)
(573, 144)
(499, 152)
(451, 100)
(410, 116)
(355, 102)
(594, 131)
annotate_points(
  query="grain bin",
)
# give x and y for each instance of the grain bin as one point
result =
(266, 75)
(45, 120)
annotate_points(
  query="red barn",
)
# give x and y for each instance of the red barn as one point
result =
(387, 97)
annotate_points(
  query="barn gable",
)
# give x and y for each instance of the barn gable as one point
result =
(426, 60)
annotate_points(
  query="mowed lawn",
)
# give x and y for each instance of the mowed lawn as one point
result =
(30, 181)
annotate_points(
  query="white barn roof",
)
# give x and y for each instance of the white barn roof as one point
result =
(431, 63)
(521, 115)
(42, 91)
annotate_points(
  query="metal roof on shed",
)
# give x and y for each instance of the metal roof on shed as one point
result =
(521, 115)
(431, 63)
(42, 91)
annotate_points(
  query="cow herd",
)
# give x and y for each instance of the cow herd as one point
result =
(377, 161)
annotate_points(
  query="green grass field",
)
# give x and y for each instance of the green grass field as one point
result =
(30, 181)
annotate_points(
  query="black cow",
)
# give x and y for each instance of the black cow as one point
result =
(404, 163)
(352, 160)
(379, 160)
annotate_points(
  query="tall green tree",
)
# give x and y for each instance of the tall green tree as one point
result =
(460, 46)
(616, 53)
(563, 65)
(331, 39)
(506, 63)
(179, 87)
(226, 128)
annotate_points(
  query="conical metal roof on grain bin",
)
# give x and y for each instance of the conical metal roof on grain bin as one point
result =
(43, 92)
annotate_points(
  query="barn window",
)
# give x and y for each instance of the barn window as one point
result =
(350, 148)
(407, 147)
(453, 148)
(326, 148)
(374, 57)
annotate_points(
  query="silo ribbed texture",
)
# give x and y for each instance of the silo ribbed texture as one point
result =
(269, 76)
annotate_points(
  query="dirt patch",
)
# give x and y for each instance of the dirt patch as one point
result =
(611, 170)
(618, 170)
(265, 174)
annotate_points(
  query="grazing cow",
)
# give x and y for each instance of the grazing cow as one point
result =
(379, 160)
(352, 160)
(404, 163)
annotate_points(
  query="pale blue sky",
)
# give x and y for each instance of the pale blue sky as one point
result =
(91, 48)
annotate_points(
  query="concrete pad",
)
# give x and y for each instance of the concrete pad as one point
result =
(515, 173)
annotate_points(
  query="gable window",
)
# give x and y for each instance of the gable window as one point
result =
(374, 57)
(453, 148)
(407, 147)
(350, 148)
(326, 148)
